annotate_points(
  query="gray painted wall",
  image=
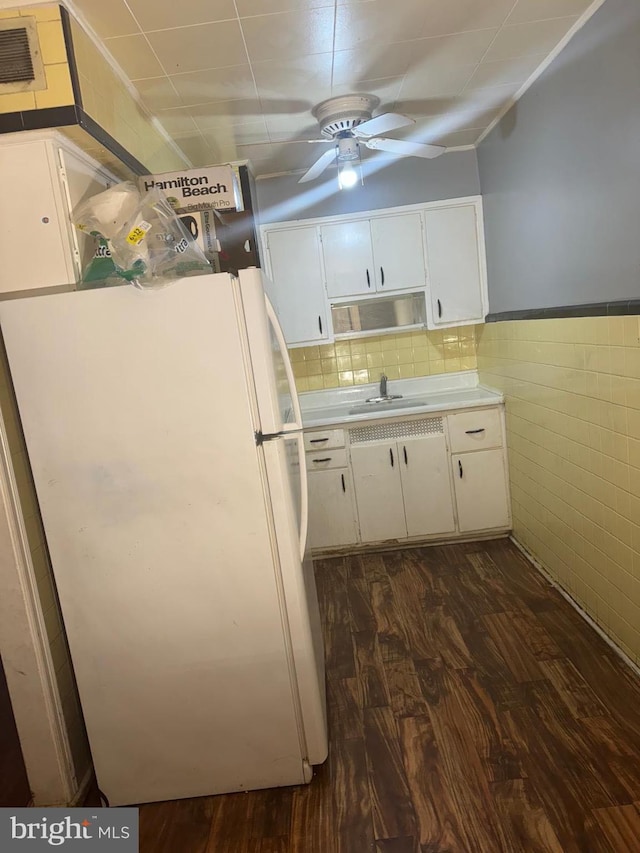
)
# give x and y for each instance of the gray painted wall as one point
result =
(408, 180)
(560, 175)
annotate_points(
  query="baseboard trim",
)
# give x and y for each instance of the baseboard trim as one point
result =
(403, 545)
(583, 613)
(83, 788)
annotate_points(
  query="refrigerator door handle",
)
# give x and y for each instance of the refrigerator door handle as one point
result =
(304, 497)
(271, 314)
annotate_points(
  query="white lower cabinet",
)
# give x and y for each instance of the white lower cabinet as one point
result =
(481, 490)
(376, 478)
(426, 487)
(440, 476)
(403, 488)
(332, 515)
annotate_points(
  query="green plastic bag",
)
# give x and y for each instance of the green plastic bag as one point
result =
(101, 270)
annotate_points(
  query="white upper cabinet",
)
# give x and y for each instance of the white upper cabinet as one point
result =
(398, 252)
(455, 265)
(435, 250)
(39, 246)
(348, 258)
(376, 255)
(295, 269)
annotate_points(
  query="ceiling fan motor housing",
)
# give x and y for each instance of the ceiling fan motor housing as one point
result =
(340, 115)
(348, 149)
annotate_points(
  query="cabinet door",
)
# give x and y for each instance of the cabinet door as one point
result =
(348, 259)
(332, 518)
(454, 266)
(398, 252)
(376, 477)
(426, 486)
(298, 291)
(81, 179)
(34, 238)
(481, 490)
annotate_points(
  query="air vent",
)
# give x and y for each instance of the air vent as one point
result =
(398, 429)
(15, 57)
(21, 67)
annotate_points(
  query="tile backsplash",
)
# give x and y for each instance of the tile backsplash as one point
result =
(572, 390)
(400, 356)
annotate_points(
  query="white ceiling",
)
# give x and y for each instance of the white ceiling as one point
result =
(224, 75)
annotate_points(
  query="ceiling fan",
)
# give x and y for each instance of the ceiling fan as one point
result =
(347, 122)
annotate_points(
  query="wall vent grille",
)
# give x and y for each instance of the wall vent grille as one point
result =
(21, 68)
(402, 429)
(15, 56)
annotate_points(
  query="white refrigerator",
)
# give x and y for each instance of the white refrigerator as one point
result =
(164, 435)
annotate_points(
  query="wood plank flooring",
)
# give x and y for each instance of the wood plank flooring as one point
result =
(471, 711)
(14, 785)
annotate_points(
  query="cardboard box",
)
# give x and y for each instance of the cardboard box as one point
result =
(201, 225)
(209, 188)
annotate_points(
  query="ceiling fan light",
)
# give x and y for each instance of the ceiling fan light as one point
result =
(347, 176)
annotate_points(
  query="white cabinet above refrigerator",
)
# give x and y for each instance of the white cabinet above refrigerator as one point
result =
(43, 177)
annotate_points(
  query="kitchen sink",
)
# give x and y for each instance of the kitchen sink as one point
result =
(386, 405)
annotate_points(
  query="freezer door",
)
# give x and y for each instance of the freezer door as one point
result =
(277, 399)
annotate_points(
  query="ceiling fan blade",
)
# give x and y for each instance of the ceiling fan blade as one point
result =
(382, 124)
(319, 166)
(282, 142)
(405, 148)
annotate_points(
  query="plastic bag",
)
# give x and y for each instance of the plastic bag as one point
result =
(148, 243)
(107, 212)
(101, 270)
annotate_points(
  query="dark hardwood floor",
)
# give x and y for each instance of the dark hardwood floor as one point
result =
(471, 710)
(14, 785)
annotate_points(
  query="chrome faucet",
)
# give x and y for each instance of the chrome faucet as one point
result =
(383, 396)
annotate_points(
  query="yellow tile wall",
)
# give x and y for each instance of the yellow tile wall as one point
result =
(572, 390)
(402, 356)
(108, 101)
(44, 576)
(58, 91)
(104, 95)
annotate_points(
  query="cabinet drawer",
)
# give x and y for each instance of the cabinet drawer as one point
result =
(321, 459)
(324, 440)
(475, 430)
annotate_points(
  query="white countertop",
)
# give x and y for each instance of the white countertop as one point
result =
(334, 407)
